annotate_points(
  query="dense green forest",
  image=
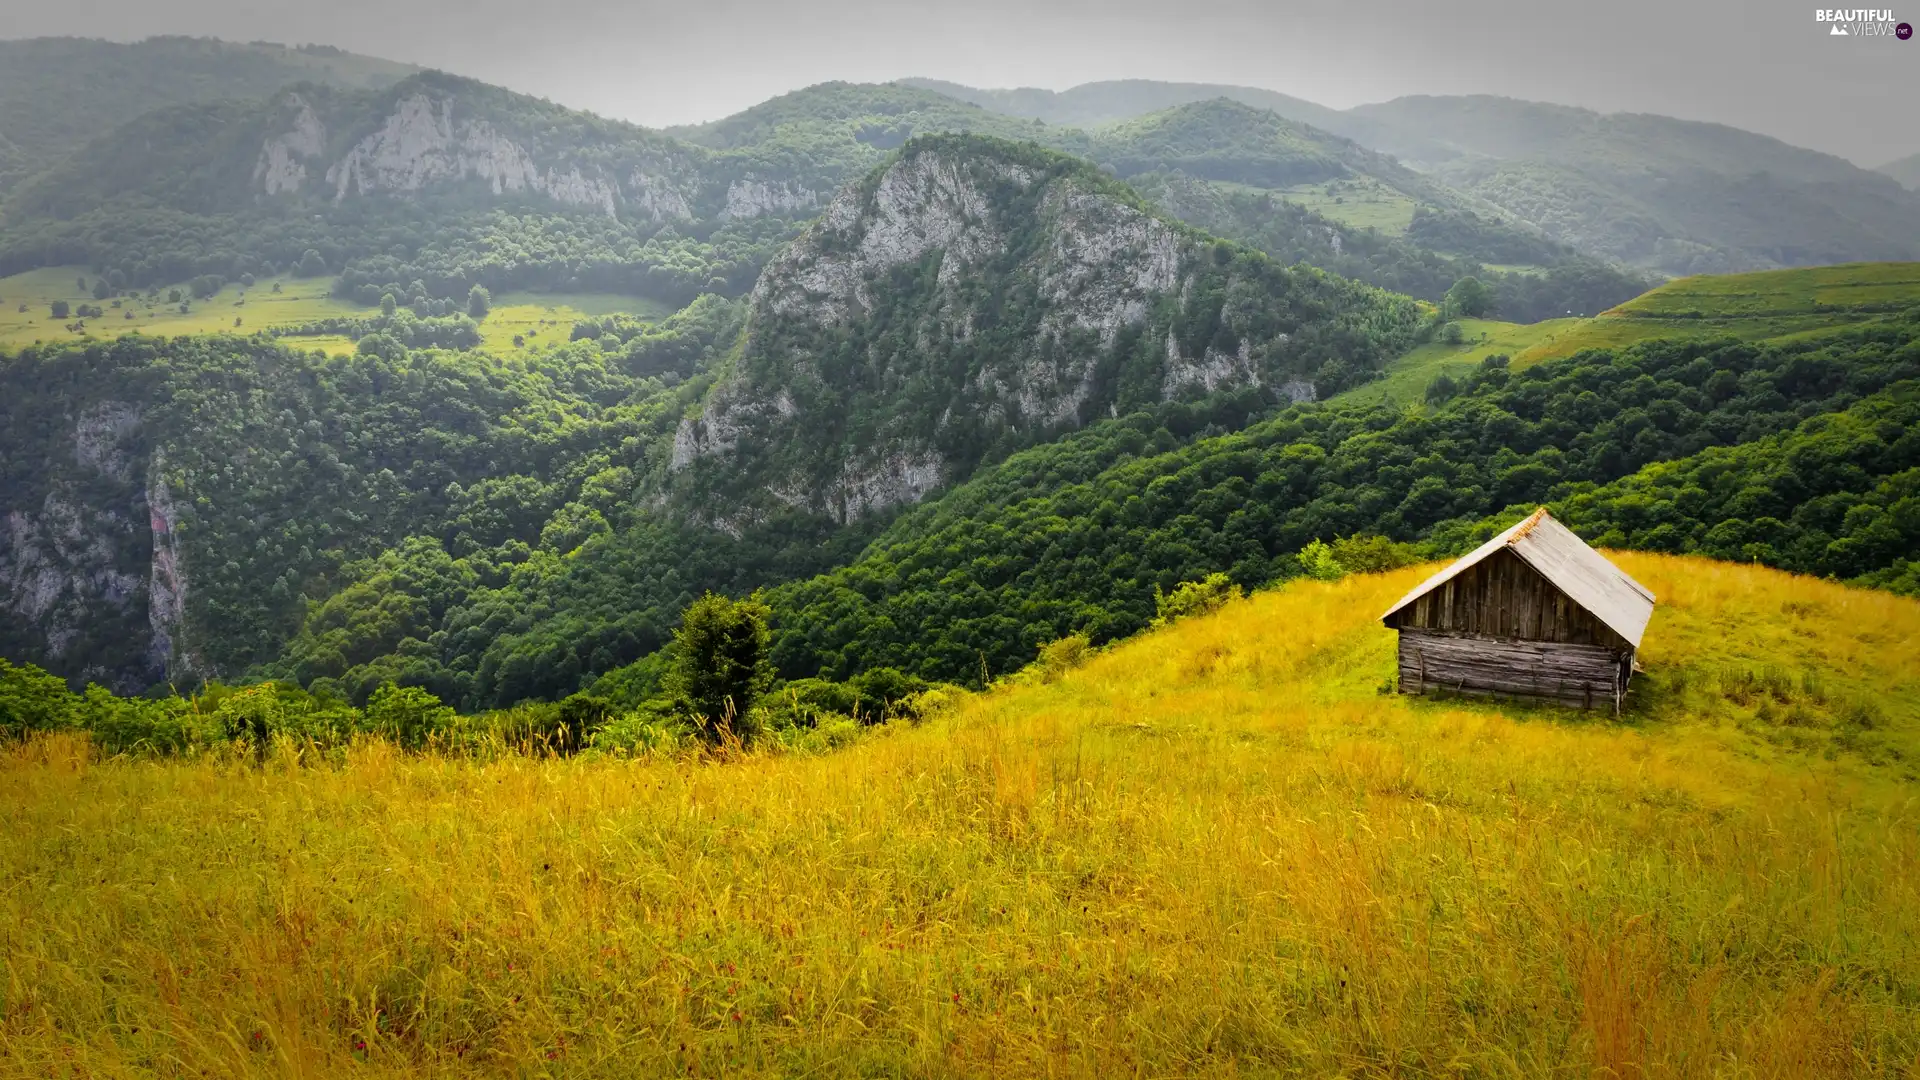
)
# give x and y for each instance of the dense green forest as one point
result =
(1077, 535)
(1084, 347)
(284, 467)
(1062, 539)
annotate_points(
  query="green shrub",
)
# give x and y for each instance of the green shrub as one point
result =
(33, 700)
(1316, 561)
(269, 711)
(1373, 554)
(805, 703)
(654, 729)
(141, 726)
(1059, 657)
(577, 718)
(408, 715)
(1191, 598)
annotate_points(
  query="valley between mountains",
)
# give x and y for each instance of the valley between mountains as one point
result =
(505, 387)
(890, 582)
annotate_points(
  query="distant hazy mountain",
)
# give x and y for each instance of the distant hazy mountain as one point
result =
(436, 179)
(1674, 195)
(1669, 195)
(1098, 103)
(1906, 170)
(451, 183)
(1240, 171)
(58, 93)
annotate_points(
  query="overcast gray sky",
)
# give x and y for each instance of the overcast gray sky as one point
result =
(1764, 65)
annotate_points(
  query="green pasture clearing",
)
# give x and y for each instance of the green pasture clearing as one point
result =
(1765, 305)
(257, 308)
(548, 319)
(1810, 290)
(536, 317)
(1363, 204)
(1407, 378)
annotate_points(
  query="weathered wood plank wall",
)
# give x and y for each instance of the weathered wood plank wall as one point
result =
(1574, 673)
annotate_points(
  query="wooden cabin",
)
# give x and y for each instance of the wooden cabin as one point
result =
(1533, 613)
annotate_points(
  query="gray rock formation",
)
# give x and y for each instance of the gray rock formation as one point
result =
(961, 292)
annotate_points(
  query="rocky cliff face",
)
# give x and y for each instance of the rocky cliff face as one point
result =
(92, 566)
(433, 136)
(973, 295)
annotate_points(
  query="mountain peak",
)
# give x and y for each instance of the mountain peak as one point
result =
(972, 295)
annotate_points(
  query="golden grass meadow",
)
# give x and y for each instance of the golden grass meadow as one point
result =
(1218, 849)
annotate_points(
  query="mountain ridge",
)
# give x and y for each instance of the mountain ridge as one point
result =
(49, 113)
(1906, 171)
(1028, 269)
(1659, 193)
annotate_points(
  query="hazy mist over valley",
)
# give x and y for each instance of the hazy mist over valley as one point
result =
(911, 539)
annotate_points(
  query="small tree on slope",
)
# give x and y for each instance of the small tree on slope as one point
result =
(720, 665)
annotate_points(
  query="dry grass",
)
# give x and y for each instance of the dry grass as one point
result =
(1214, 850)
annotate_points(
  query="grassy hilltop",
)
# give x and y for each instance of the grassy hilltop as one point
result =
(1214, 849)
(1767, 305)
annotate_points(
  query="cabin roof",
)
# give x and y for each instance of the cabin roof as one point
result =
(1564, 559)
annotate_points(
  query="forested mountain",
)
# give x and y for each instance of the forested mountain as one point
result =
(853, 123)
(1906, 171)
(451, 183)
(970, 297)
(1667, 195)
(170, 505)
(1672, 195)
(436, 179)
(1078, 535)
(975, 294)
(57, 94)
(1096, 104)
(1097, 352)
(1284, 187)
(1296, 192)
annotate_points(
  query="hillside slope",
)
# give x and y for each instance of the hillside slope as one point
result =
(1078, 535)
(1216, 849)
(436, 179)
(170, 507)
(56, 94)
(453, 183)
(968, 299)
(1297, 192)
(1755, 307)
(974, 295)
(1906, 171)
(1097, 104)
(1670, 196)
